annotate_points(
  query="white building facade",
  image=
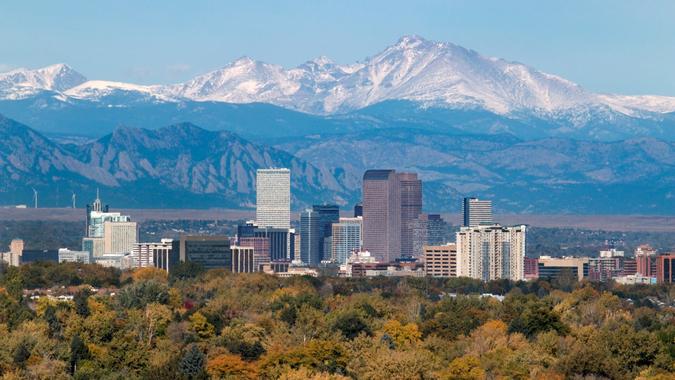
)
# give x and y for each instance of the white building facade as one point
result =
(273, 198)
(491, 252)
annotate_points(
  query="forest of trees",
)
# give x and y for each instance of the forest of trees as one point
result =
(218, 325)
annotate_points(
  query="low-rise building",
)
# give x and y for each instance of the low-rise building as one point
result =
(440, 260)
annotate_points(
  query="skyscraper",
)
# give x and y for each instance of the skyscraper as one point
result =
(310, 233)
(477, 212)
(273, 198)
(491, 252)
(347, 238)
(328, 214)
(426, 229)
(382, 214)
(411, 208)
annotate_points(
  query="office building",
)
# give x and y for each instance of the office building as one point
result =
(94, 246)
(119, 237)
(550, 268)
(210, 252)
(411, 207)
(665, 269)
(440, 260)
(243, 260)
(426, 229)
(491, 252)
(110, 260)
(273, 198)
(477, 212)
(13, 256)
(328, 214)
(164, 256)
(645, 259)
(358, 210)
(382, 214)
(281, 240)
(347, 238)
(315, 233)
(261, 249)
(531, 266)
(68, 256)
(143, 254)
(310, 237)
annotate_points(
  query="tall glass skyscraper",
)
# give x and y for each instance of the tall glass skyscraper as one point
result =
(382, 214)
(411, 208)
(273, 198)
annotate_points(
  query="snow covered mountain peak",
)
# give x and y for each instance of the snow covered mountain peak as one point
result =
(416, 69)
(22, 83)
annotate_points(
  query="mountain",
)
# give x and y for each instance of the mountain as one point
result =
(23, 83)
(430, 73)
(176, 166)
(552, 175)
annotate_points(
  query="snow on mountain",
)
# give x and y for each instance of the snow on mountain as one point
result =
(23, 83)
(432, 73)
(97, 90)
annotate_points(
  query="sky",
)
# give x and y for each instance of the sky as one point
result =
(623, 46)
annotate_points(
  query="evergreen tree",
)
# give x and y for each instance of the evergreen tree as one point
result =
(78, 351)
(193, 362)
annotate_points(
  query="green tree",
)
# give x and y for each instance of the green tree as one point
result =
(193, 363)
(78, 352)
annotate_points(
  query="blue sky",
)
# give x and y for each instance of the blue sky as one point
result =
(609, 46)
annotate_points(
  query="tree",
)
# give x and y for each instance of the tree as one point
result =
(537, 318)
(465, 368)
(81, 299)
(201, 326)
(228, 366)
(21, 353)
(78, 352)
(192, 363)
(350, 324)
(402, 335)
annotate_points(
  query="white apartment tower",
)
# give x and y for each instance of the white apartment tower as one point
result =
(273, 198)
(491, 252)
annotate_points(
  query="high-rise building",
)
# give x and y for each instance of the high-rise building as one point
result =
(243, 260)
(607, 266)
(491, 252)
(645, 258)
(13, 257)
(358, 210)
(211, 252)
(531, 266)
(273, 198)
(315, 233)
(426, 229)
(347, 238)
(310, 237)
(93, 245)
(477, 212)
(665, 269)
(440, 260)
(382, 214)
(119, 237)
(411, 208)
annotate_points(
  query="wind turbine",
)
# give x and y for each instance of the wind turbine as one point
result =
(35, 197)
(73, 197)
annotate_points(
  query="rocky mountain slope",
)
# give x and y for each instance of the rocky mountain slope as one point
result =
(177, 166)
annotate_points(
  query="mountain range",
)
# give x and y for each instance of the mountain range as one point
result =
(469, 124)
